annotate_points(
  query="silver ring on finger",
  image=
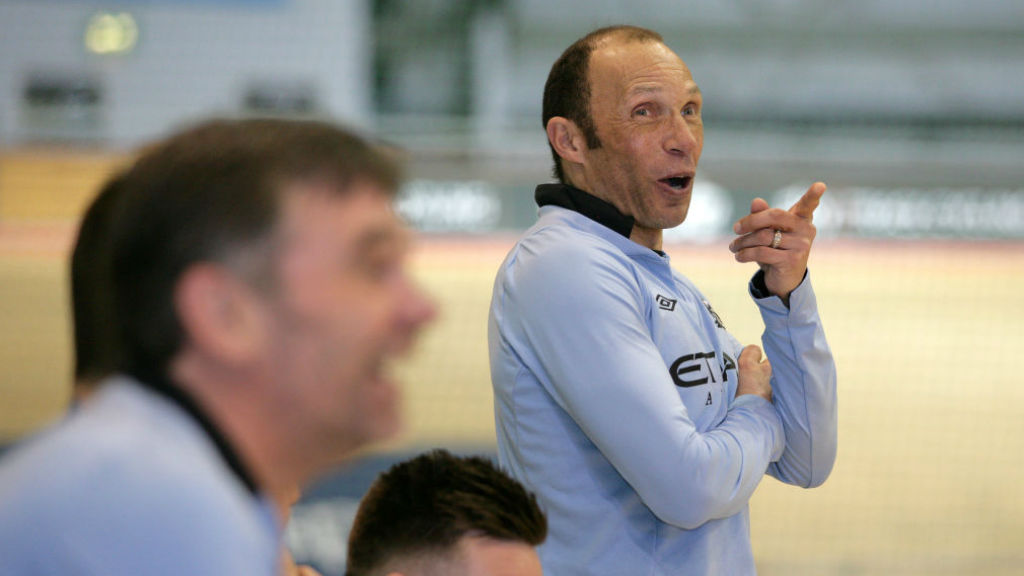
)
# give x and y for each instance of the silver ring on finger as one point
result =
(777, 239)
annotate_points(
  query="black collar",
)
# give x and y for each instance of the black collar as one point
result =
(586, 204)
(192, 408)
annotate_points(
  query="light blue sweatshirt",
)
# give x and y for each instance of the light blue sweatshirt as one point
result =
(130, 484)
(614, 398)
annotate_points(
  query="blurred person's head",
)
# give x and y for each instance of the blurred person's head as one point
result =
(623, 118)
(94, 329)
(443, 514)
(259, 267)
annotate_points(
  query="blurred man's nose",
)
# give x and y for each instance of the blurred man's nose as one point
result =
(420, 308)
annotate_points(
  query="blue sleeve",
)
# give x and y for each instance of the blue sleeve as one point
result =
(579, 316)
(803, 385)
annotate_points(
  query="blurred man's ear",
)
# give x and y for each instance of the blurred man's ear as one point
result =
(220, 314)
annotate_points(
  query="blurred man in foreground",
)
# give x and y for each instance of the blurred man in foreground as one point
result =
(259, 293)
(95, 341)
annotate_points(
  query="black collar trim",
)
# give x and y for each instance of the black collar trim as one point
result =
(586, 204)
(189, 405)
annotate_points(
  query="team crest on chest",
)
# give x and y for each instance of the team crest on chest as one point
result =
(718, 319)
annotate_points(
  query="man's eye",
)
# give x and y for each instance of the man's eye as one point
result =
(690, 111)
(377, 263)
(380, 269)
(642, 112)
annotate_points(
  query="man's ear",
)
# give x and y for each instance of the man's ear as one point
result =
(220, 314)
(566, 138)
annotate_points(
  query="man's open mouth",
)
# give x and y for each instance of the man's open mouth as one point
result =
(677, 182)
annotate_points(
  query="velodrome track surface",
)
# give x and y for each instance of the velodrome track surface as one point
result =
(927, 336)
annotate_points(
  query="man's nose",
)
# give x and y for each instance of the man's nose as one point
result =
(414, 310)
(683, 138)
(420, 307)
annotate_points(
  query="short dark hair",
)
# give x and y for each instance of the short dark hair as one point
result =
(92, 311)
(422, 508)
(567, 90)
(211, 193)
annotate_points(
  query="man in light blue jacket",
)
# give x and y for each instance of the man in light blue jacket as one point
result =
(641, 424)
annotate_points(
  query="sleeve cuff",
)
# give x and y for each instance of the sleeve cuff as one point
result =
(759, 290)
(802, 308)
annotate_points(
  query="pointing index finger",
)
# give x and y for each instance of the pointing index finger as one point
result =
(805, 206)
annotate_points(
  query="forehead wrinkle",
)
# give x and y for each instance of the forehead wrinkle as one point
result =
(652, 77)
(622, 72)
(654, 89)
